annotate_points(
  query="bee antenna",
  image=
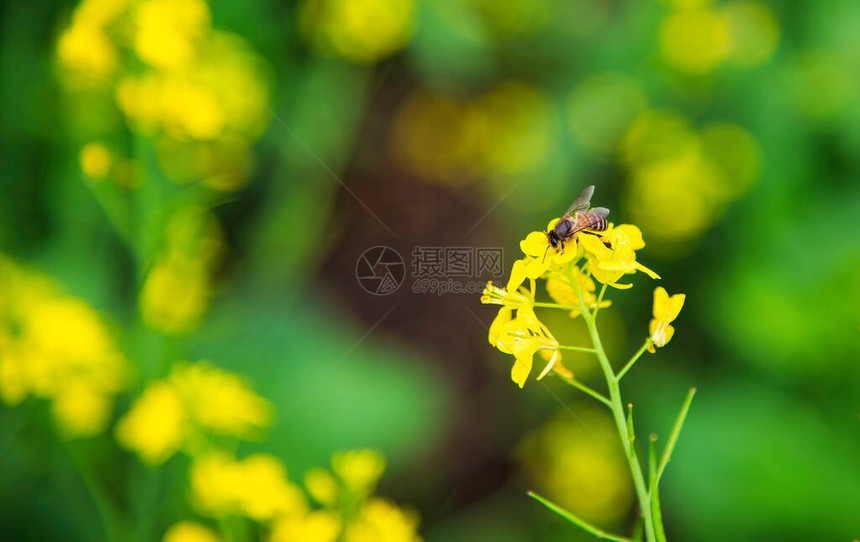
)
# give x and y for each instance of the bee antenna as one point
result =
(544, 253)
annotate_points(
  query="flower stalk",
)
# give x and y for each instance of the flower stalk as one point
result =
(571, 281)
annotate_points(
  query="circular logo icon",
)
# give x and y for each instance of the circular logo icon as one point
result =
(380, 270)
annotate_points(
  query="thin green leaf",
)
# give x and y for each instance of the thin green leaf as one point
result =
(676, 432)
(599, 533)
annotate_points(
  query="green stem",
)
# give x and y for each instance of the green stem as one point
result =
(654, 491)
(557, 306)
(633, 360)
(585, 389)
(577, 349)
(599, 301)
(599, 533)
(617, 407)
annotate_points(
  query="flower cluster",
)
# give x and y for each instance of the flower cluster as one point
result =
(55, 346)
(194, 401)
(571, 278)
(200, 93)
(336, 505)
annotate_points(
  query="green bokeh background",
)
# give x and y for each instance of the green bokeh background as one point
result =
(769, 334)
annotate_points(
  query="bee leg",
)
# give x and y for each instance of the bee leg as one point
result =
(606, 243)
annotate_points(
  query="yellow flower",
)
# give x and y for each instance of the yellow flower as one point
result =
(256, 487)
(522, 337)
(156, 426)
(167, 31)
(666, 309)
(57, 347)
(82, 410)
(85, 49)
(317, 526)
(362, 31)
(194, 398)
(220, 401)
(540, 256)
(608, 265)
(190, 531)
(359, 470)
(95, 160)
(322, 486)
(382, 521)
(493, 295)
(175, 295)
(564, 294)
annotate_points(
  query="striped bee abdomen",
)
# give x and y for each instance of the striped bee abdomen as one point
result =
(591, 221)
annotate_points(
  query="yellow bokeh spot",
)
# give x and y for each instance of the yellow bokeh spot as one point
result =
(585, 472)
(358, 469)
(383, 521)
(516, 120)
(156, 425)
(695, 41)
(95, 160)
(753, 30)
(317, 526)
(175, 295)
(220, 401)
(82, 410)
(256, 487)
(322, 486)
(85, 48)
(190, 531)
(362, 31)
(167, 31)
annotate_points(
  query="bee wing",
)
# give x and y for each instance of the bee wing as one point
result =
(582, 201)
(602, 212)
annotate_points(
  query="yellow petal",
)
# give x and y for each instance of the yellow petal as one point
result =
(647, 271)
(518, 275)
(633, 234)
(551, 224)
(661, 302)
(499, 324)
(550, 363)
(535, 244)
(522, 367)
(536, 267)
(676, 302)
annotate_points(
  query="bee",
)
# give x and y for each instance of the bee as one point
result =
(579, 219)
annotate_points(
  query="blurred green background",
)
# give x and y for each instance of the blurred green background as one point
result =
(202, 179)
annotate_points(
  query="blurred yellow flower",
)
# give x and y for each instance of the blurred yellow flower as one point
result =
(175, 295)
(177, 290)
(753, 32)
(564, 294)
(359, 470)
(322, 486)
(317, 526)
(95, 160)
(608, 265)
(157, 424)
(695, 41)
(582, 469)
(362, 31)
(190, 531)
(383, 521)
(601, 108)
(255, 487)
(219, 401)
(57, 347)
(85, 48)
(666, 309)
(194, 399)
(167, 31)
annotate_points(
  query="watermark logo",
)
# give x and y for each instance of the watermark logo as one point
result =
(436, 270)
(380, 270)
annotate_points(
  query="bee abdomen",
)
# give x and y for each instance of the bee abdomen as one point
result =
(594, 222)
